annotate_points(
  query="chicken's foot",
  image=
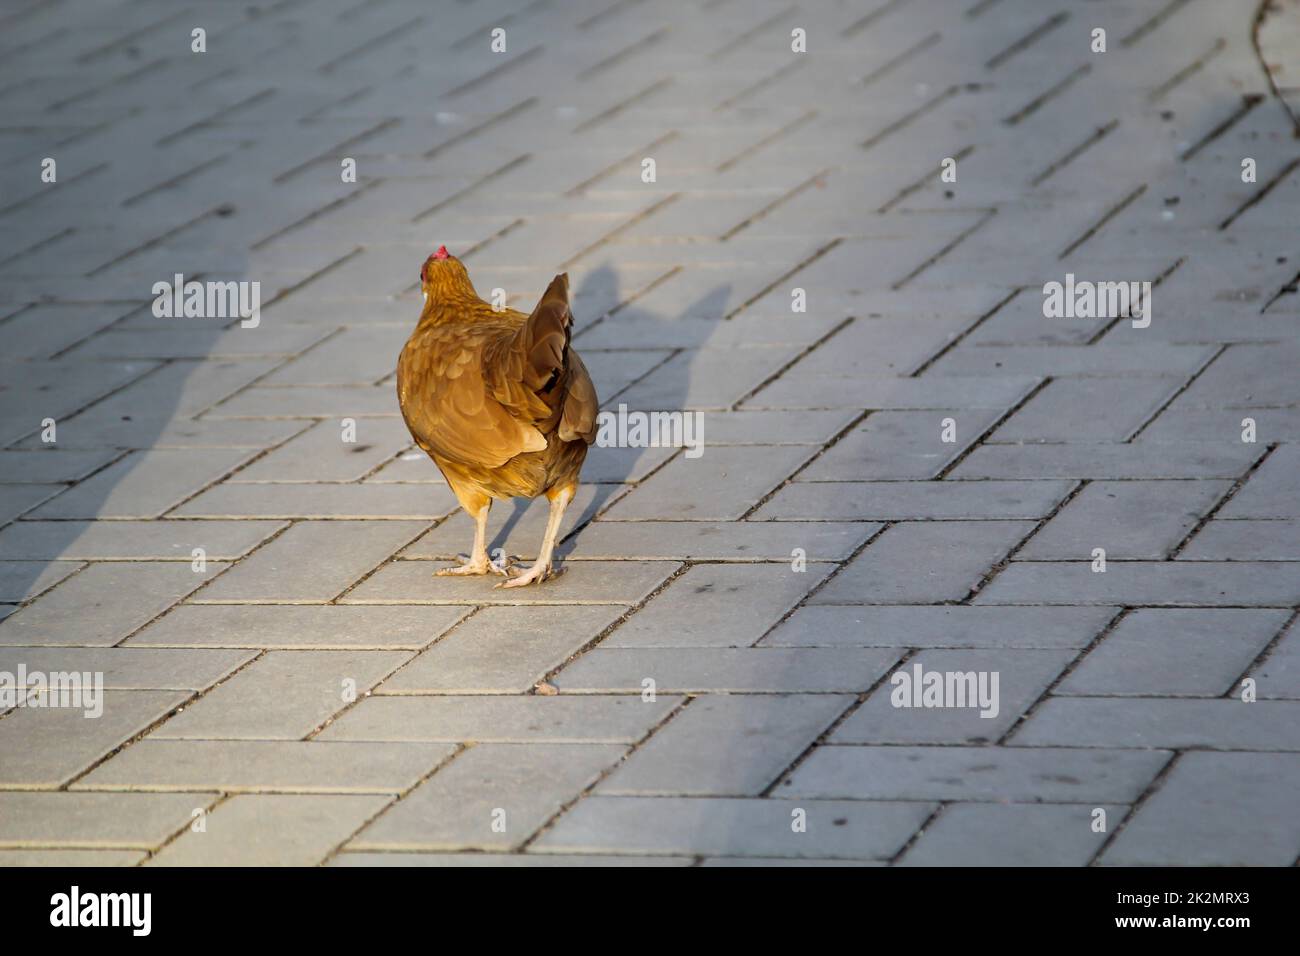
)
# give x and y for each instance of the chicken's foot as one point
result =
(542, 569)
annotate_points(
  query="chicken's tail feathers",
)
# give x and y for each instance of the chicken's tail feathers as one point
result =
(545, 338)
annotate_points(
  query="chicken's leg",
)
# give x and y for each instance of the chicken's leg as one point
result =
(478, 506)
(541, 569)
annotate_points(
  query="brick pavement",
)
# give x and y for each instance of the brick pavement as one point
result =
(915, 471)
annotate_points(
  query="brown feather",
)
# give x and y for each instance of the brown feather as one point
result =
(499, 400)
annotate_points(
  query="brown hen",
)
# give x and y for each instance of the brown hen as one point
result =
(499, 401)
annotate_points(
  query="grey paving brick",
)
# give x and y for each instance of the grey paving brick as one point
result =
(940, 626)
(283, 695)
(1212, 646)
(502, 719)
(272, 830)
(717, 605)
(1083, 410)
(889, 392)
(456, 808)
(1013, 834)
(1129, 519)
(1244, 541)
(131, 668)
(741, 475)
(729, 745)
(45, 747)
(49, 465)
(1104, 361)
(1230, 724)
(735, 827)
(918, 562)
(733, 670)
(87, 609)
(901, 444)
(46, 857)
(133, 540)
(321, 454)
(1056, 775)
(312, 561)
(17, 500)
(104, 820)
(22, 580)
(320, 501)
(503, 859)
(1216, 809)
(913, 500)
(583, 582)
(144, 484)
(1276, 676)
(501, 650)
(303, 627)
(1159, 583)
(720, 540)
(1022, 676)
(1106, 461)
(267, 766)
(1271, 492)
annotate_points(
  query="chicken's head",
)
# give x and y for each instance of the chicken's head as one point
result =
(444, 275)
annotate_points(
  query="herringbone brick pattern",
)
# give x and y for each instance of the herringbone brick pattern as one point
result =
(915, 471)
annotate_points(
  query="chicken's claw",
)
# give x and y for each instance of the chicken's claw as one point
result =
(468, 566)
(534, 575)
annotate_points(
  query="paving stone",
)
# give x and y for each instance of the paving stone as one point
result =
(45, 747)
(741, 475)
(1013, 834)
(501, 650)
(913, 500)
(133, 540)
(267, 766)
(913, 563)
(1022, 677)
(1230, 724)
(1243, 541)
(1105, 361)
(1085, 410)
(320, 501)
(1105, 461)
(731, 670)
(940, 626)
(1276, 675)
(1272, 491)
(283, 695)
(122, 820)
(517, 786)
(717, 605)
(1056, 775)
(502, 859)
(272, 830)
(144, 484)
(1212, 646)
(130, 668)
(501, 719)
(1216, 809)
(78, 858)
(16, 500)
(1129, 519)
(891, 393)
(320, 453)
(900, 445)
(1158, 583)
(23, 580)
(583, 582)
(719, 541)
(303, 627)
(727, 745)
(48, 466)
(312, 561)
(88, 609)
(735, 827)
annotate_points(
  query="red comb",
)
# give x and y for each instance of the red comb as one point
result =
(442, 253)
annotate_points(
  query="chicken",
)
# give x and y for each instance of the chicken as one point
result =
(499, 401)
